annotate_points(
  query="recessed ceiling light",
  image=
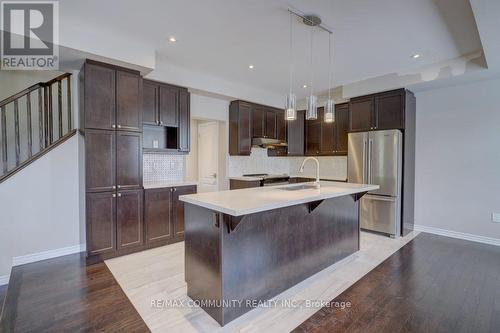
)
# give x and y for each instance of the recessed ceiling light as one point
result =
(172, 39)
(416, 56)
(250, 66)
(304, 86)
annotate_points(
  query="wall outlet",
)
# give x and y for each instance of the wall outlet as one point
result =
(495, 217)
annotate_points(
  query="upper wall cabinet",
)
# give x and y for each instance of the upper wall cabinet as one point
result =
(112, 97)
(327, 139)
(166, 117)
(378, 112)
(265, 123)
(295, 135)
(240, 128)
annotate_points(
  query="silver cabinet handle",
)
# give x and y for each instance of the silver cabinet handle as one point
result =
(114, 187)
(119, 186)
(113, 126)
(119, 195)
(113, 195)
(119, 126)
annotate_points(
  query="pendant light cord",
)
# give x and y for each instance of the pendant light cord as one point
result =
(329, 65)
(312, 71)
(291, 53)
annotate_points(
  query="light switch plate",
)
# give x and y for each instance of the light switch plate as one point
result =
(495, 217)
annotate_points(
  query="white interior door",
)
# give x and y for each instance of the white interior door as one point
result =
(208, 156)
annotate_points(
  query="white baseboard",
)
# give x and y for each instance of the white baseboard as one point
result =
(4, 279)
(29, 258)
(459, 235)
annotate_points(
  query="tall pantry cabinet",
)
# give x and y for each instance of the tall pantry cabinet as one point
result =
(111, 111)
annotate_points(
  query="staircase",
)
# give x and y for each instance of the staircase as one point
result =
(34, 121)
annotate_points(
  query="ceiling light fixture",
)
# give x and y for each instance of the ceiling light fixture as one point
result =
(304, 86)
(172, 39)
(250, 66)
(329, 115)
(416, 56)
(290, 98)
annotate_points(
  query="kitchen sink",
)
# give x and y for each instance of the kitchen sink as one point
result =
(299, 187)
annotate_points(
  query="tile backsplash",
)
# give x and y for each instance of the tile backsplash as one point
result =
(163, 168)
(333, 167)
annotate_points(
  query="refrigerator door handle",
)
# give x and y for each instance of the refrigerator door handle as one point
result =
(365, 171)
(370, 152)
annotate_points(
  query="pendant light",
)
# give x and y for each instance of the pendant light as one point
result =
(311, 100)
(329, 116)
(291, 99)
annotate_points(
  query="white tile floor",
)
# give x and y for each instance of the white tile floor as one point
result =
(158, 274)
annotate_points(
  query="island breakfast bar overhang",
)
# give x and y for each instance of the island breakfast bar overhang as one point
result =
(244, 247)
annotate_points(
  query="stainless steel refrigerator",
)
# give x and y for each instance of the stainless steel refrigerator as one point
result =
(375, 157)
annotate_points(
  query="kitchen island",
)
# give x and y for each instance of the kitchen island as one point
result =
(243, 247)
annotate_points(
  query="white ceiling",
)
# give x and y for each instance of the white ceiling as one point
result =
(222, 37)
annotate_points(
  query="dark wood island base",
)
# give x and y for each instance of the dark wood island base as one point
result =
(235, 262)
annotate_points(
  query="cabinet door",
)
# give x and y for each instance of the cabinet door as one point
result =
(169, 109)
(280, 125)
(100, 171)
(178, 208)
(295, 135)
(389, 111)
(270, 124)
(361, 114)
(101, 227)
(99, 97)
(150, 102)
(313, 136)
(128, 160)
(327, 142)
(341, 128)
(157, 212)
(258, 121)
(128, 101)
(244, 129)
(129, 232)
(184, 121)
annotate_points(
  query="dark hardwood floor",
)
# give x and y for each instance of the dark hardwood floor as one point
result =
(433, 284)
(65, 295)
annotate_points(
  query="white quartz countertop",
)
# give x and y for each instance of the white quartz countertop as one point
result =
(151, 185)
(247, 178)
(258, 199)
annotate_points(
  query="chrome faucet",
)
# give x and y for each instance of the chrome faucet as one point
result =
(301, 170)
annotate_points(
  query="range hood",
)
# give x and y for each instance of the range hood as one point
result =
(268, 143)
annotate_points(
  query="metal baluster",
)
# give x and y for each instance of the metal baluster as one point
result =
(51, 118)
(70, 122)
(40, 118)
(16, 130)
(46, 115)
(4, 139)
(28, 122)
(59, 108)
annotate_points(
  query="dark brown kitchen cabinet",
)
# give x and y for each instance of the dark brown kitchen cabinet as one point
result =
(164, 214)
(313, 136)
(100, 156)
(327, 141)
(240, 128)
(101, 226)
(378, 111)
(295, 135)
(362, 117)
(168, 107)
(258, 121)
(270, 124)
(128, 160)
(184, 121)
(341, 128)
(150, 93)
(111, 97)
(178, 209)
(280, 125)
(129, 212)
(99, 96)
(157, 214)
(128, 101)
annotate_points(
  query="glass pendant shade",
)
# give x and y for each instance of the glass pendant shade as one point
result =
(311, 110)
(329, 111)
(290, 107)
